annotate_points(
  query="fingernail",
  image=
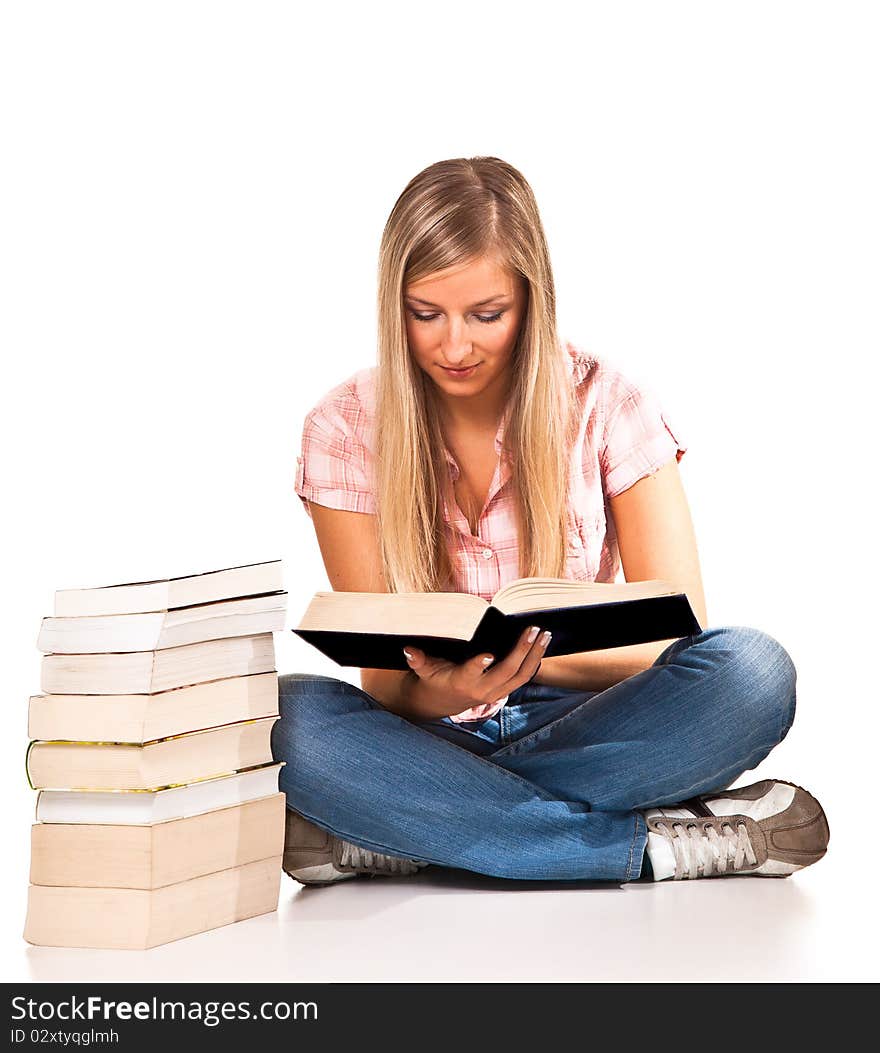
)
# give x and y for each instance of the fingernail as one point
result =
(545, 639)
(487, 660)
(409, 657)
(533, 632)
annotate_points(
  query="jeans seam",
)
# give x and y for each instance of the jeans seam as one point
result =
(637, 816)
(788, 721)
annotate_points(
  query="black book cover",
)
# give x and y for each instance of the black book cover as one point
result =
(589, 627)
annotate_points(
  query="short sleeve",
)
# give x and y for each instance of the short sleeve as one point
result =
(638, 437)
(333, 467)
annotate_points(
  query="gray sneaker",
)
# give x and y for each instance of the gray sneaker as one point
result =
(769, 829)
(315, 857)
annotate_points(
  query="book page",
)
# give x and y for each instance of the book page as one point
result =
(538, 594)
(454, 615)
(180, 577)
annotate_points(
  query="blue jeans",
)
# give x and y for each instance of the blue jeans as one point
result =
(551, 787)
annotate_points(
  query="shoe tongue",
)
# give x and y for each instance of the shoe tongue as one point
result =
(697, 806)
(659, 848)
(661, 856)
(772, 802)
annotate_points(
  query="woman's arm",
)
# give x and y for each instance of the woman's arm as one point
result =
(655, 534)
(349, 544)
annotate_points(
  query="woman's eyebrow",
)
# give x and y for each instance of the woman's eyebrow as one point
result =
(479, 303)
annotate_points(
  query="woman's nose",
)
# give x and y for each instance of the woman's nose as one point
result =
(456, 344)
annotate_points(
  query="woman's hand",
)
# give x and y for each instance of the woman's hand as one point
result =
(445, 687)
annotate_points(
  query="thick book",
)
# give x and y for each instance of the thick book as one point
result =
(144, 718)
(103, 634)
(368, 629)
(135, 919)
(140, 807)
(152, 766)
(150, 857)
(135, 597)
(146, 672)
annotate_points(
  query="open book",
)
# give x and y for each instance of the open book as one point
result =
(369, 630)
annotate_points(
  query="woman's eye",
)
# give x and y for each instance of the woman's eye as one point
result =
(485, 319)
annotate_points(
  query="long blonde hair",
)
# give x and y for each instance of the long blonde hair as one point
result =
(452, 213)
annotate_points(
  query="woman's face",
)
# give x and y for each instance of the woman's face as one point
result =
(462, 325)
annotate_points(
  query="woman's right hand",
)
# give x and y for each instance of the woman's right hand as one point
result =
(445, 687)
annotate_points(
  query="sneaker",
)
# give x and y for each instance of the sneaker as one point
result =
(769, 829)
(315, 857)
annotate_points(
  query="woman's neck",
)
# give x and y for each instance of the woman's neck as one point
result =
(472, 416)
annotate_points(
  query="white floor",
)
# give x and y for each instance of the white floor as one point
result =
(820, 924)
(449, 925)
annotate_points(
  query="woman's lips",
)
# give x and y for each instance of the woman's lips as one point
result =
(459, 374)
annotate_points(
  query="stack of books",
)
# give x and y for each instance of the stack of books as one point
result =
(158, 813)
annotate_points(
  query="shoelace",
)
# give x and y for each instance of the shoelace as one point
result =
(700, 850)
(364, 859)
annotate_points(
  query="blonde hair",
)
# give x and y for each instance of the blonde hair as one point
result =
(452, 213)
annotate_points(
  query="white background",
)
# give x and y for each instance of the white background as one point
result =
(192, 200)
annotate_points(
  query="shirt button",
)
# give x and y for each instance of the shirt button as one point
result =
(488, 553)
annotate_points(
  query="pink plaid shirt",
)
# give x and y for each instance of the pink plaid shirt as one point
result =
(624, 435)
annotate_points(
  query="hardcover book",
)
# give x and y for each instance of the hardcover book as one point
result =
(145, 672)
(127, 918)
(369, 630)
(160, 854)
(141, 807)
(153, 765)
(144, 718)
(135, 597)
(103, 634)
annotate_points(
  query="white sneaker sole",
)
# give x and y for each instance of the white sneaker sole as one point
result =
(325, 874)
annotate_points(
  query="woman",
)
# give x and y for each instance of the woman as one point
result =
(481, 449)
